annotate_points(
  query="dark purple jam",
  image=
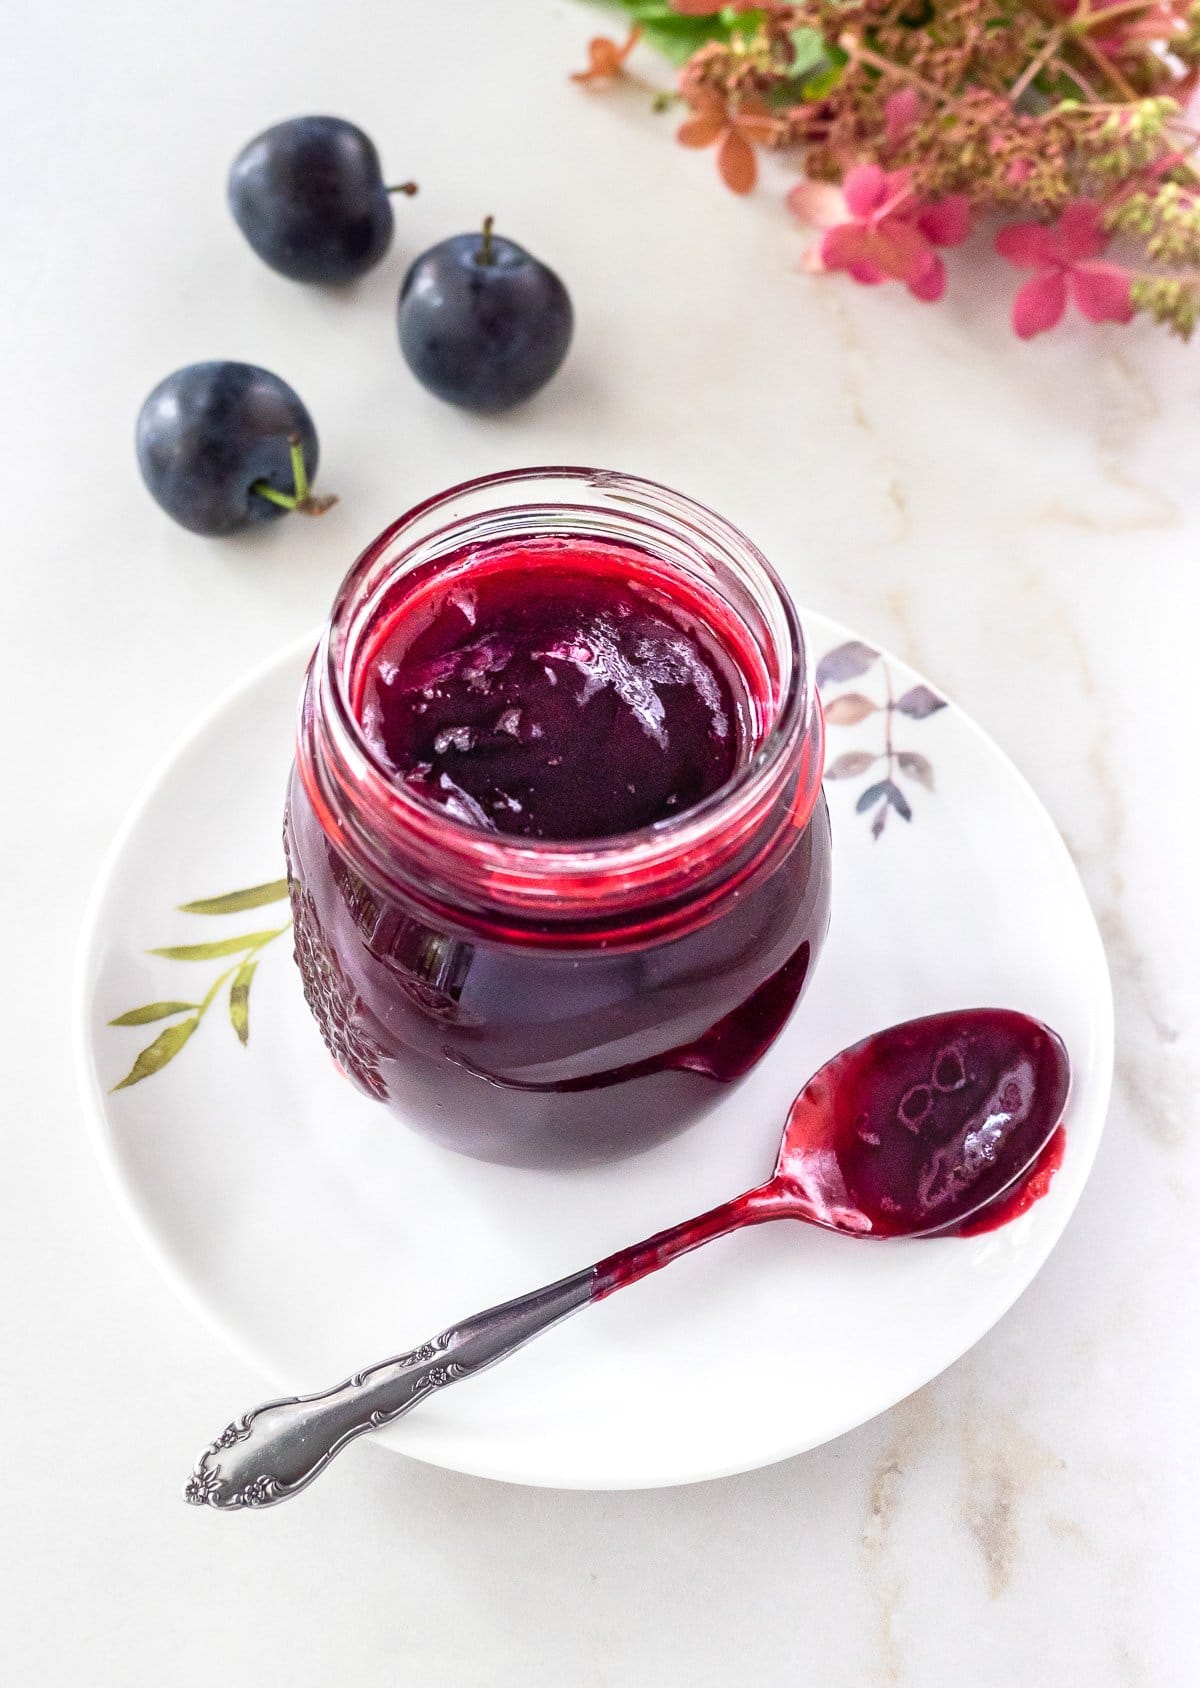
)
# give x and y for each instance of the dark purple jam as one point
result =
(555, 703)
(566, 692)
(926, 1125)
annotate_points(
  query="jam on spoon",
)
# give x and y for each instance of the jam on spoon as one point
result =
(928, 1128)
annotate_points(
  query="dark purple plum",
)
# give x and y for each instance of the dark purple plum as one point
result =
(223, 446)
(482, 323)
(310, 198)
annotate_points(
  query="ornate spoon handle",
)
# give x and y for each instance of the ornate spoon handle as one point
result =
(277, 1449)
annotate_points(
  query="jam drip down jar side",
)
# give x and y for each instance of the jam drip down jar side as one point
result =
(542, 1000)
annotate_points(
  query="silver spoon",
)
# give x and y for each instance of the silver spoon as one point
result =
(916, 1131)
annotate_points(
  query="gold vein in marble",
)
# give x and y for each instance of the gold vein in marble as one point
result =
(1126, 405)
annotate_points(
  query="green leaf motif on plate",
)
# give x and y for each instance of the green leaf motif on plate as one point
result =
(151, 1012)
(220, 947)
(236, 902)
(155, 1056)
(241, 951)
(239, 1000)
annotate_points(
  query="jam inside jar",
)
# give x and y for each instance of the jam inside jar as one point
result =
(558, 853)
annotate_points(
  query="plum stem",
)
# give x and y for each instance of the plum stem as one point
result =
(406, 188)
(299, 471)
(485, 254)
(284, 500)
(300, 498)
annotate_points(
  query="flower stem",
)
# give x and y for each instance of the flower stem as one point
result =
(1103, 63)
(1037, 64)
(1048, 13)
(851, 44)
(1065, 68)
(1085, 20)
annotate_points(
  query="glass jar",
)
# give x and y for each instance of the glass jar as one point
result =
(543, 1001)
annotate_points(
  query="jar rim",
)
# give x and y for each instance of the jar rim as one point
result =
(534, 870)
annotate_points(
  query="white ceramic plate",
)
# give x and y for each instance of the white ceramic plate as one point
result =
(317, 1234)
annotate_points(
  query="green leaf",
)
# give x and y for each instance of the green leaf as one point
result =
(677, 35)
(743, 23)
(815, 71)
(823, 82)
(156, 1055)
(239, 1000)
(220, 947)
(152, 1011)
(808, 47)
(236, 902)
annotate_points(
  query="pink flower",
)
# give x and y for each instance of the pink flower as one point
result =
(901, 112)
(1061, 253)
(890, 234)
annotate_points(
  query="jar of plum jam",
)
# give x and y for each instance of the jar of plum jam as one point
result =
(558, 853)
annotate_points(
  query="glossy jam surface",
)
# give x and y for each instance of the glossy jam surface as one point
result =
(922, 1127)
(1028, 1190)
(552, 696)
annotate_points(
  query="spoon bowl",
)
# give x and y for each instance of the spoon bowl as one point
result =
(918, 1129)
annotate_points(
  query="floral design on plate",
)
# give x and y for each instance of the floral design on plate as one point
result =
(851, 661)
(186, 1016)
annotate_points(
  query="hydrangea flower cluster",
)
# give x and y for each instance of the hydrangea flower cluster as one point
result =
(918, 122)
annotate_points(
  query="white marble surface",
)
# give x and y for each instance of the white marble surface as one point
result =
(1021, 522)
